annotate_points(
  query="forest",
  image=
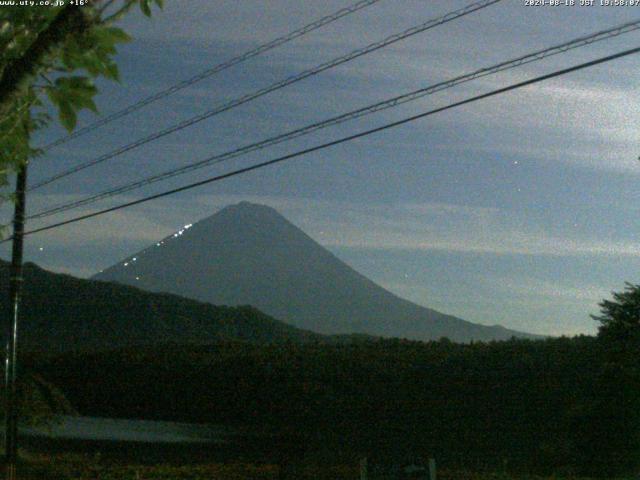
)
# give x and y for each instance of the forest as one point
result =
(563, 405)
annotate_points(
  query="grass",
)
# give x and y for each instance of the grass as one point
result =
(85, 467)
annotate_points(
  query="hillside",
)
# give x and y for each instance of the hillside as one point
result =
(60, 312)
(249, 254)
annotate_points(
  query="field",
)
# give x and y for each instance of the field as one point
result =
(79, 467)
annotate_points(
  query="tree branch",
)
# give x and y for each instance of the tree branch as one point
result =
(104, 7)
(120, 12)
(71, 20)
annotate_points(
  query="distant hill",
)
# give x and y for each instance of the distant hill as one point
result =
(60, 312)
(249, 254)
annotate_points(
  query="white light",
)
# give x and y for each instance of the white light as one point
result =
(41, 249)
(175, 234)
(158, 244)
(137, 278)
(126, 263)
(134, 259)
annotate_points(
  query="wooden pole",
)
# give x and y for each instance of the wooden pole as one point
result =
(15, 289)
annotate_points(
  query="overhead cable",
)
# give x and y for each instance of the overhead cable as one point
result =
(349, 138)
(212, 71)
(273, 87)
(386, 104)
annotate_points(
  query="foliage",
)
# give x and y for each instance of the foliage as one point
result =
(60, 312)
(39, 401)
(620, 318)
(75, 467)
(522, 406)
(71, 44)
(565, 406)
(619, 377)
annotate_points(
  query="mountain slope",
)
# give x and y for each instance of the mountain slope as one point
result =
(60, 312)
(250, 254)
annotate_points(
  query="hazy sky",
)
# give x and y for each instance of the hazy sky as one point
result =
(519, 210)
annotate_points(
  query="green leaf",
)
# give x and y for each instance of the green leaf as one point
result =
(144, 6)
(85, 102)
(111, 35)
(111, 70)
(71, 94)
(54, 95)
(79, 83)
(68, 116)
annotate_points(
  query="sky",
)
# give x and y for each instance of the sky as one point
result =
(519, 210)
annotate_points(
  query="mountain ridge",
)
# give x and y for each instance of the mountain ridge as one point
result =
(250, 254)
(60, 313)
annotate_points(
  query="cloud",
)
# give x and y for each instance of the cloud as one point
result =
(578, 120)
(584, 120)
(456, 228)
(536, 288)
(502, 243)
(521, 303)
(139, 225)
(403, 226)
(526, 303)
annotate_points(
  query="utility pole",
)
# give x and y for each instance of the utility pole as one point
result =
(15, 288)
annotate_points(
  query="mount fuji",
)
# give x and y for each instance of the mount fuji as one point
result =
(248, 254)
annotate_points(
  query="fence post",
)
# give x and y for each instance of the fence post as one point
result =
(432, 469)
(363, 468)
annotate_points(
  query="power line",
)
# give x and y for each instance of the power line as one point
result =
(389, 103)
(290, 156)
(343, 12)
(273, 87)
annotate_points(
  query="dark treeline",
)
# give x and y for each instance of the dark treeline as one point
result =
(558, 405)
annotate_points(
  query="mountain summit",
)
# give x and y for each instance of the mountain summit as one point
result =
(248, 254)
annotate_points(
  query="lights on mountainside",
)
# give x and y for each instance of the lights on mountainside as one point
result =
(179, 232)
(137, 278)
(41, 249)
(158, 244)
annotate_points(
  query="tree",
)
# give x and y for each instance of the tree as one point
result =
(620, 318)
(53, 53)
(614, 421)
